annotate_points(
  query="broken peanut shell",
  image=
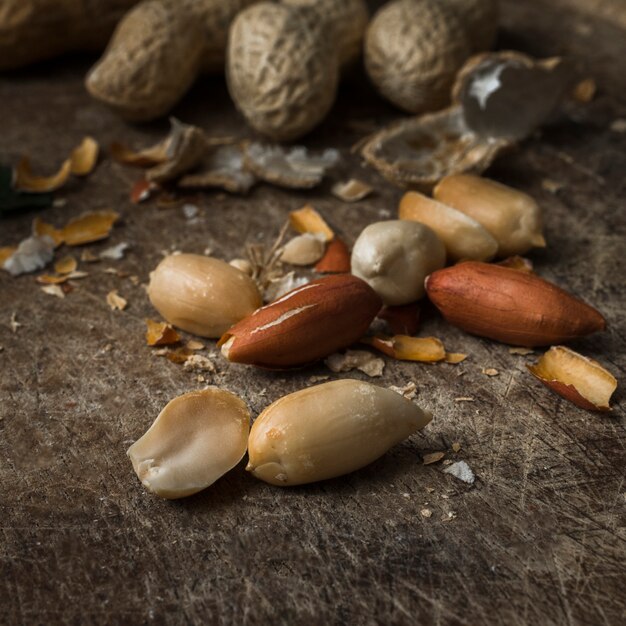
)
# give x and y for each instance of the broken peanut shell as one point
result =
(292, 168)
(329, 430)
(498, 99)
(195, 440)
(576, 378)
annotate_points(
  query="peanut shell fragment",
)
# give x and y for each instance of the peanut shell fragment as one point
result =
(222, 167)
(5, 253)
(148, 157)
(66, 265)
(160, 334)
(25, 180)
(308, 220)
(33, 253)
(351, 190)
(576, 378)
(292, 168)
(361, 360)
(89, 227)
(329, 430)
(466, 137)
(195, 440)
(404, 348)
(41, 228)
(115, 301)
(84, 157)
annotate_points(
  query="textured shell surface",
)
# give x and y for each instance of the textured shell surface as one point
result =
(140, 73)
(481, 20)
(282, 72)
(216, 18)
(347, 18)
(413, 51)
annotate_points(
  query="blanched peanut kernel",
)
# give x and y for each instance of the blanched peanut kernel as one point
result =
(394, 258)
(329, 430)
(202, 295)
(512, 217)
(195, 440)
(463, 237)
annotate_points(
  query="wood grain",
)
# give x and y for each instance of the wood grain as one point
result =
(539, 538)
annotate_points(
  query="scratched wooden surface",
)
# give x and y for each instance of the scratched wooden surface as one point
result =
(539, 538)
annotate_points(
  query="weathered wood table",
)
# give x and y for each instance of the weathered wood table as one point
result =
(539, 538)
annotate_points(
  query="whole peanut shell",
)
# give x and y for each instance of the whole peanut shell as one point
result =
(157, 51)
(348, 20)
(34, 30)
(413, 50)
(152, 60)
(282, 70)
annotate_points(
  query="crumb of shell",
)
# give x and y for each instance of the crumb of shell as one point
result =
(115, 301)
(618, 126)
(490, 371)
(462, 471)
(432, 457)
